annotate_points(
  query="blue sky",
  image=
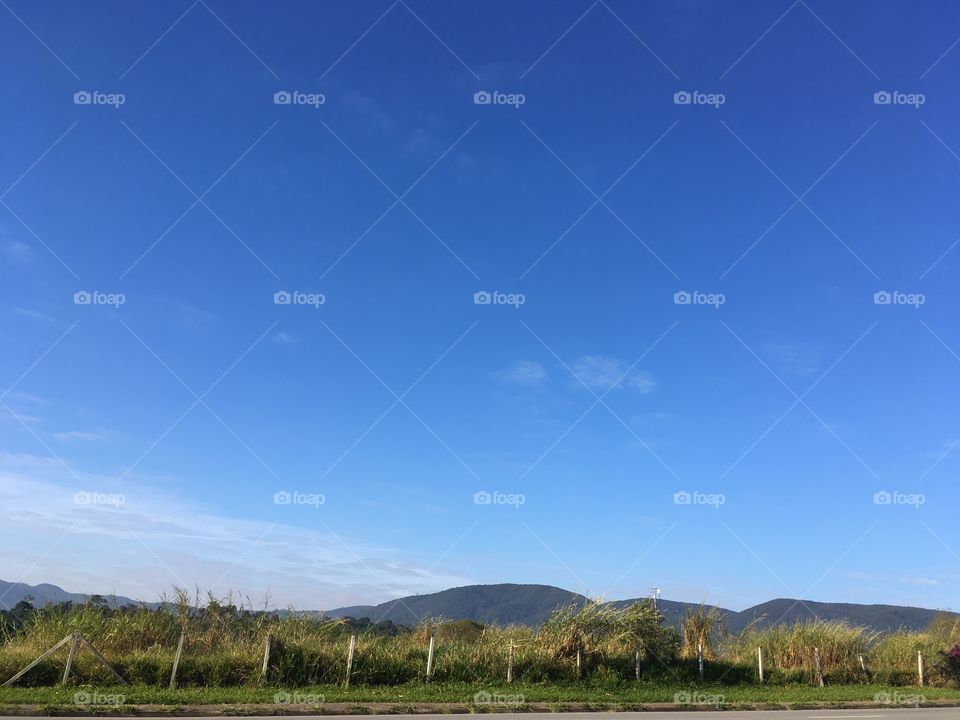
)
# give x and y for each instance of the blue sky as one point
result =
(587, 397)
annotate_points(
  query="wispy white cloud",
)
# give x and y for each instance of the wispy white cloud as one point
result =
(15, 251)
(283, 337)
(654, 419)
(193, 315)
(919, 581)
(886, 578)
(28, 398)
(525, 372)
(19, 417)
(368, 110)
(78, 436)
(154, 541)
(799, 358)
(601, 372)
(34, 314)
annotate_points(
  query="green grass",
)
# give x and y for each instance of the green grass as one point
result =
(593, 694)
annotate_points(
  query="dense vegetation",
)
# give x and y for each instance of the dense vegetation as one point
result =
(592, 643)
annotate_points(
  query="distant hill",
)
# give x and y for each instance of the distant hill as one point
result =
(886, 618)
(45, 594)
(505, 604)
(531, 605)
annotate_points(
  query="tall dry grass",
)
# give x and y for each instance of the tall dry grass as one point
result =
(791, 647)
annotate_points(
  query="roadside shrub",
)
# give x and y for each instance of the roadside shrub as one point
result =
(948, 665)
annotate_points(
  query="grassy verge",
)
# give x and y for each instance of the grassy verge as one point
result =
(463, 697)
(224, 646)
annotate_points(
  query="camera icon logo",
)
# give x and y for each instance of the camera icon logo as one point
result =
(482, 297)
(882, 297)
(882, 498)
(82, 297)
(282, 97)
(282, 497)
(882, 97)
(82, 97)
(482, 97)
(482, 497)
(282, 297)
(682, 497)
(682, 297)
(682, 97)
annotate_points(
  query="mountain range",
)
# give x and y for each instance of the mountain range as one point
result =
(531, 605)
(46, 594)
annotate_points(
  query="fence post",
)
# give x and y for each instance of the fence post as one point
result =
(636, 662)
(430, 660)
(266, 657)
(819, 670)
(920, 667)
(760, 661)
(700, 660)
(510, 665)
(353, 646)
(74, 640)
(36, 662)
(579, 663)
(176, 663)
(863, 665)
